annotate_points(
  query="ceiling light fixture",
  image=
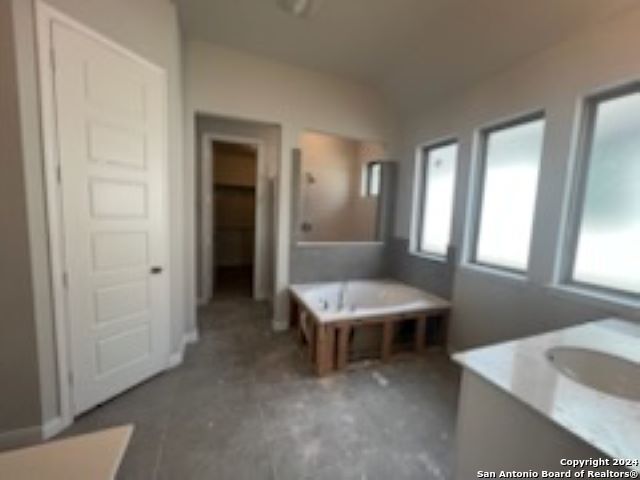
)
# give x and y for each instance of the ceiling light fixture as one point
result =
(299, 8)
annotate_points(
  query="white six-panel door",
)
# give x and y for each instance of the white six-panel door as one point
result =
(111, 132)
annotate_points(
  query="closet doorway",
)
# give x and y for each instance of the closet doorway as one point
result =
(233, 189)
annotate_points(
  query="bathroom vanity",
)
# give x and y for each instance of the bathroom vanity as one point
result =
(326, 313)
(533, 403)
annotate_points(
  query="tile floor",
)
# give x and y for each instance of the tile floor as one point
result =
(245, 405)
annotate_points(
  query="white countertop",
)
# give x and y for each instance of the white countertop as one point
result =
(521, 368)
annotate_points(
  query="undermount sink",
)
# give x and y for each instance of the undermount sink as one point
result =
(603, 372)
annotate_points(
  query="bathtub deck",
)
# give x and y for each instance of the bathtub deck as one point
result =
(328, 342)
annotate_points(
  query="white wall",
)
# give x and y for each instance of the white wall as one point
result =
(225, 82)
(488, 307)
(149, 28)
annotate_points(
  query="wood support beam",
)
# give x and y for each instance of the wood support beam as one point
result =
(343, 346)
(421, 334)
(387, 339)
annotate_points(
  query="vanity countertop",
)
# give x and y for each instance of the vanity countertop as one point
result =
(522, 369)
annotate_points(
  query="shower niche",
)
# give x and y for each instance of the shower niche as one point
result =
(341, 190)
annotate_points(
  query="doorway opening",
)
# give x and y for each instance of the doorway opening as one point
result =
(235, 207)
(234, 173)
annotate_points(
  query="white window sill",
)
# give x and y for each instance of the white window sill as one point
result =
(496, 272)
(339, 244)
(625, 305)
(429, 256)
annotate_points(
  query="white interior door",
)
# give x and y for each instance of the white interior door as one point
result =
(111, 133)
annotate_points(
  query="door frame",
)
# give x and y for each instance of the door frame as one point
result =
(45, 16)
(207, 220)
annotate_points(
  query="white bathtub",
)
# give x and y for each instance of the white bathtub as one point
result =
(358, 299)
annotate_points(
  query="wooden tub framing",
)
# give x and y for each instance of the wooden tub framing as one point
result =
(328, 342)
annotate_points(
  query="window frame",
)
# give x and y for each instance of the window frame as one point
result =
(369, 166)
(423, 173)
(483, 134)
(577, 193)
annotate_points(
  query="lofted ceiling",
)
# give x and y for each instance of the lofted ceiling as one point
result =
(411, 50)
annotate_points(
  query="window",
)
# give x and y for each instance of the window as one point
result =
(607, 237)
(436, 198)
(510, 165)
(372, 179)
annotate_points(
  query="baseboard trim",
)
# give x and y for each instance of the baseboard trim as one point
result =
(279, 326)
(20, 437)
(53, 427)
(175, 358)
(24, 437)
(191, 337)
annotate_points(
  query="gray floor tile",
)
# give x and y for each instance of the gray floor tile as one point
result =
(245, 405)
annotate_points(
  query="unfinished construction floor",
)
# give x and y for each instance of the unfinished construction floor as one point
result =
(245, 405)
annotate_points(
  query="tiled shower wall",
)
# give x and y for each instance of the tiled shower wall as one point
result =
(389, 259)
(329, 263)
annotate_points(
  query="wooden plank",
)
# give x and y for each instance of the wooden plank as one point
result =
(330, 348)
(312, 328)
(421, 333)
(294, 311)
(343, 346)
(326, 353)
(95, 455)
(328, 342)
(378, 319)
(323, 349)
(303, 334)
(318, 359)
(387, 339)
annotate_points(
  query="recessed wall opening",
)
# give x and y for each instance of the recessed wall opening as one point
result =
(339, 189)
(235, 205)
(234, 169)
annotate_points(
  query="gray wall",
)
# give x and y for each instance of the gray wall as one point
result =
(421, 272)
(487, 310)
(20, 397)
(149, 28)
(490, 307)
(328, 263)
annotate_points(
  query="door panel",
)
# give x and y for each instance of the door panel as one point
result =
(110, 112)
(113, 198)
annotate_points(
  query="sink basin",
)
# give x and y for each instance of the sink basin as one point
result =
(603, 372)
